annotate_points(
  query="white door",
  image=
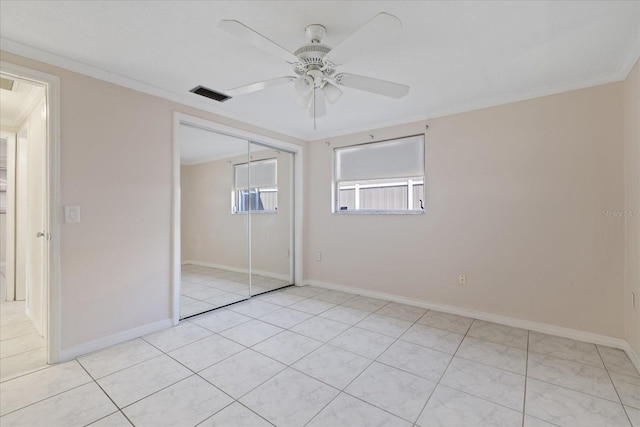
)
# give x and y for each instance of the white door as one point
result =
(36, 227)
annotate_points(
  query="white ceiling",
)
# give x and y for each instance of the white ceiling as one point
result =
(199, 145)
(456, 56)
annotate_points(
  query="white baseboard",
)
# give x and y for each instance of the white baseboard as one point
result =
(239, 270)
(120, 337)
(546, 328)
(635, 358)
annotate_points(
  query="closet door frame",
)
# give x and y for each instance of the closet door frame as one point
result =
(298, 161)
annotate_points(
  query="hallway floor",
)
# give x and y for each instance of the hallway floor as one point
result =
(305, 356)
(21, 348)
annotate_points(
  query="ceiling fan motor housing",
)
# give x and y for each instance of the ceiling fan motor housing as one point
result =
(312, 55)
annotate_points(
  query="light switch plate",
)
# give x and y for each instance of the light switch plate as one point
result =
(71, 214)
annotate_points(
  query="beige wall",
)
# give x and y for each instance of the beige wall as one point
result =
(632, 206)
(116, 160)
(211, 234)
(515, 196)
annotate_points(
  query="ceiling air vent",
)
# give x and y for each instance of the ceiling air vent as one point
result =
(203, 91)
(6, 84)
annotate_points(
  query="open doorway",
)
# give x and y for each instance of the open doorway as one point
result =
(27, 175)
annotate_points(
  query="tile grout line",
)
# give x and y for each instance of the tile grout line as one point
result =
(396, 339)
(526, 377)
(626, 413)
(323, 344)
(251, 348)
(106, 394)
(46, 398)
(343, 390)
(445, 371)
(193, 373)
(466, 392)
(24, 374)
(197, 374)
(287, 366)
(239, 403)
(290, 366)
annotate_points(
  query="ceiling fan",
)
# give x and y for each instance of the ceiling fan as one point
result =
(316, 64)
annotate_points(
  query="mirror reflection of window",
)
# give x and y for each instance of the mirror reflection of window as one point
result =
(255, 187)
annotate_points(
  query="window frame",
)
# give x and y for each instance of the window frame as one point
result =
(335, 190)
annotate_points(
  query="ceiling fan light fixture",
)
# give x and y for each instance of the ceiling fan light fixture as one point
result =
(316, 64)
(303, 85)
(331, 92)
(304, 100)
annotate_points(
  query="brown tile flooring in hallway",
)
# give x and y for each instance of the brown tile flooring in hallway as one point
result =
(305, 356)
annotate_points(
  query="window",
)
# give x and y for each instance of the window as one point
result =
(380, 177)
(255, 187)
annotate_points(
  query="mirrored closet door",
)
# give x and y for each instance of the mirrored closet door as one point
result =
(236, 219)
(271, 219)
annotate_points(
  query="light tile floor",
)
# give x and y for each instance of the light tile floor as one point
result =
(205, 288)
(21, 348)
(306, 356)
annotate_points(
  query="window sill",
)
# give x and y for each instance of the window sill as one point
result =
(255, 212)
(374, 212)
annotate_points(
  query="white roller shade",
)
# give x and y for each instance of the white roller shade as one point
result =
(263, 174)
(391, 159)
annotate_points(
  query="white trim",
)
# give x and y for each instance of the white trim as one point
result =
(264, 273)
(635, 358)
(546, 328)
(176, 239)
(52, 286)
(117, 338)
(10, 224)
(298, 162)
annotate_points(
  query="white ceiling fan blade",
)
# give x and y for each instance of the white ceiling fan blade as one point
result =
(369, 84)
(240, 30)
(318, 107)
(331, 92)
(254, 87)
(383, 26)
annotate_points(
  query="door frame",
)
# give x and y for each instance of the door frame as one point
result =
(298, 161)
(51, 285)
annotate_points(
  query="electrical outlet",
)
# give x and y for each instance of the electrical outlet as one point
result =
(287, 253)
(318, 256)
(462, 279)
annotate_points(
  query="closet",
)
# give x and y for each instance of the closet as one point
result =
(236, 219)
